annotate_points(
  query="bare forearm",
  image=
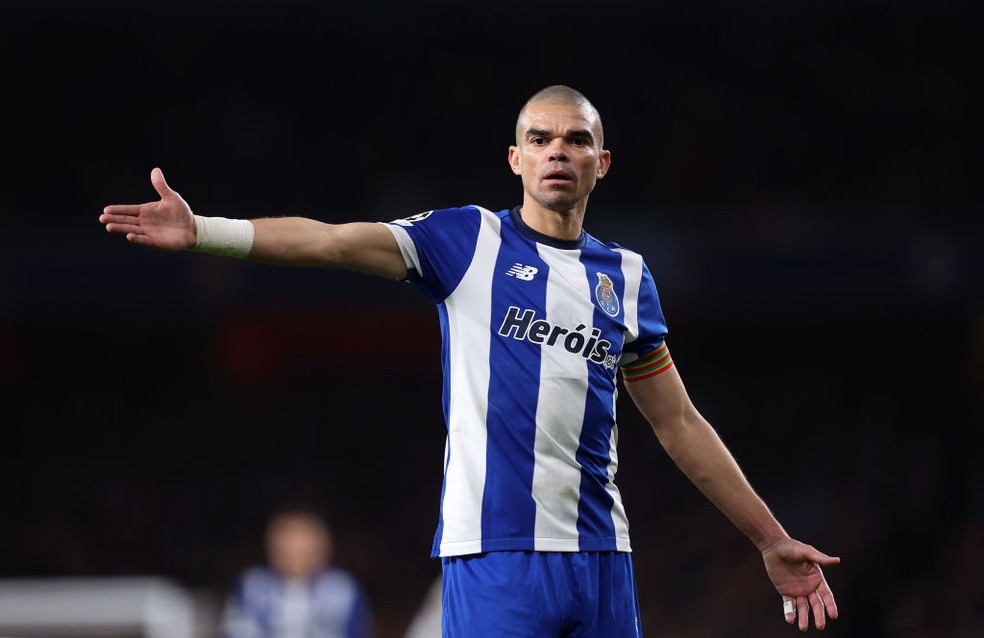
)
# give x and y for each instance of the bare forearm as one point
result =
(290, 241)
(699, 452)
(299, 241)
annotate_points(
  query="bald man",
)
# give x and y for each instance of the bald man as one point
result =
(539, 319)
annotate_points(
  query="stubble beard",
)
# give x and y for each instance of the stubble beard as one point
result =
(558, 200)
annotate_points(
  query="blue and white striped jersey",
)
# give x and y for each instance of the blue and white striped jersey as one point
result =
(265, 604)
(533, 330)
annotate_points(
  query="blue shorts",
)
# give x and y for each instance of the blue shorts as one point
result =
(540, 595)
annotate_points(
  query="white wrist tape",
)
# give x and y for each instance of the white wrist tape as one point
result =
(222, 236)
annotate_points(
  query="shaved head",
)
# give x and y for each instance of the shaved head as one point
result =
(565, 96)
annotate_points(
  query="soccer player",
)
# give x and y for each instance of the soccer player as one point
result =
(298, 591)
(537, 319)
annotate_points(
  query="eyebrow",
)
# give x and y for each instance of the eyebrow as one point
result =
(536, 132)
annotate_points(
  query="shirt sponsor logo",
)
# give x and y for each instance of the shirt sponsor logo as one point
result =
(523, 325)
(605, 294)
(519, 271)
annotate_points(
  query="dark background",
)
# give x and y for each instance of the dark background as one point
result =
(803, 181)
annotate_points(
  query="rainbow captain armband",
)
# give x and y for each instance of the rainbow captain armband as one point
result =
(649, 365)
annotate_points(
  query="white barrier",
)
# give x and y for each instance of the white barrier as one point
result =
(148, 607)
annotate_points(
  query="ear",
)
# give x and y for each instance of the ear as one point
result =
(514, 160)
(604, 163)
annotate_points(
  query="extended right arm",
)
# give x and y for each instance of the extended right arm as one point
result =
(298, 241)
(169, 225)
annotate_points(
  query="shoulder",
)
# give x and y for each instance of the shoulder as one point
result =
(593, 243)
(258, 573)
(338, 585)
(256, 580)
(336, 576)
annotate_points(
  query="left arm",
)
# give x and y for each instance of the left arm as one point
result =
(698, 451)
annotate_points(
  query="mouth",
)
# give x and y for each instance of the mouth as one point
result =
(558, 175)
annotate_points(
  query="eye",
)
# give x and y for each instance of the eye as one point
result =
(538, 141)
(581, 141)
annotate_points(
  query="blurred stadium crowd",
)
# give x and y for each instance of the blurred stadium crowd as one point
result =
(804, 182)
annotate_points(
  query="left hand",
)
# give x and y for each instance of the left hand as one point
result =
(794, 568)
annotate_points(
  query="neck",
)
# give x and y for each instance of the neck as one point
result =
(565, 224)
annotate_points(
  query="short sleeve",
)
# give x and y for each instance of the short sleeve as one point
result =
(649, 330)
(437, 247)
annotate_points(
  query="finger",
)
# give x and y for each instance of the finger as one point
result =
(820, 558)
(828, 600)
(819, 618)
(803, 613)
(788, 609)
(125, 228)
(122, 209)
(140, 238)
(116, 218)
(160, 185)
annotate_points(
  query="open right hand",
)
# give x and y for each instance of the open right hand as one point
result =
(167, 224)
(795, 570)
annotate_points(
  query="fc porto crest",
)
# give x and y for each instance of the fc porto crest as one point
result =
(605, 294)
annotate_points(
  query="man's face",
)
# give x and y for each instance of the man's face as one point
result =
(298, 545)
(558, 154)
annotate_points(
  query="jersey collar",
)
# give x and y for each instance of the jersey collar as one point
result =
(564, 244)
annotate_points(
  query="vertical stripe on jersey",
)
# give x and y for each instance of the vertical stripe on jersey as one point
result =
(620, 519)
(632, 270)
(468, 370)
(442, 312)
(600, 515)
(508, 511)
(563, 381)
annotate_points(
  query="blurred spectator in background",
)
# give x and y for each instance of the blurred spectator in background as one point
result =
(298, 593)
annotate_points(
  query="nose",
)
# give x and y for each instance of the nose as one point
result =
(558, 150)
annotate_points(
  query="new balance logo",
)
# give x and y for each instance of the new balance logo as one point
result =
(519, 271)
